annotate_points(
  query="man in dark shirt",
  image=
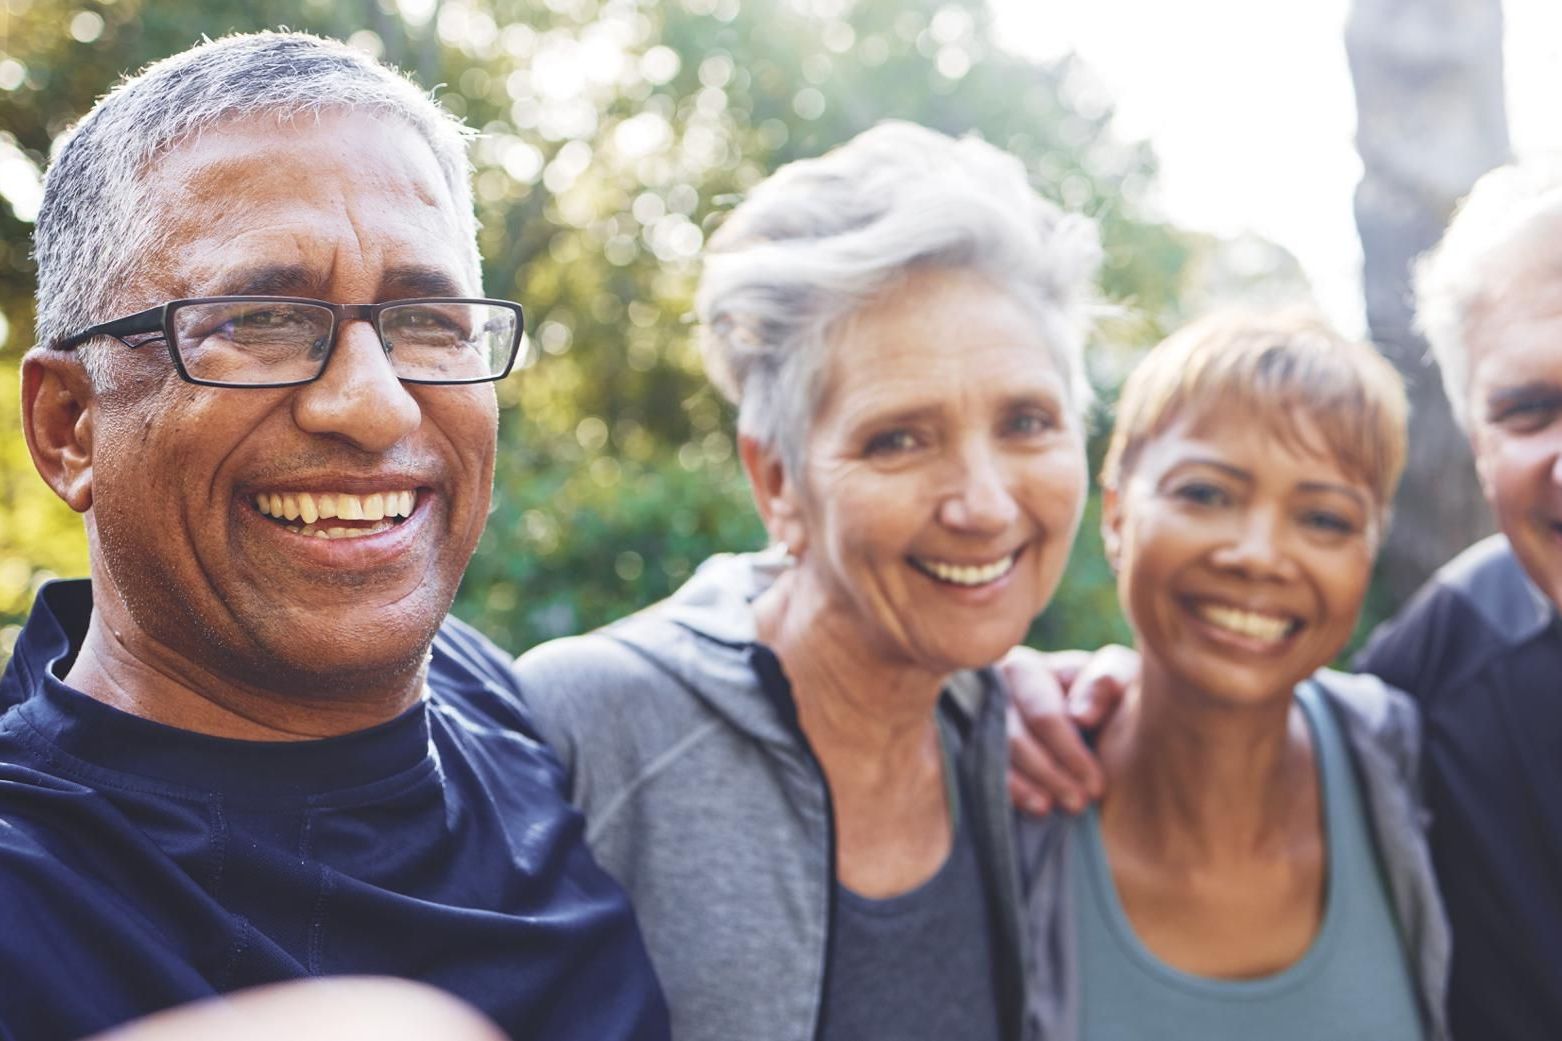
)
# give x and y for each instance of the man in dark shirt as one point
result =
(1481, 649)
(1480, 646)
(254, 748)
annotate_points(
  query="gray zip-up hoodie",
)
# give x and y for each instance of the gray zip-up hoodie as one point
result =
(702, 798)
(1382, 730)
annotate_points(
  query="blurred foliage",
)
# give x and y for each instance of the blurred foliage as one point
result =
(614, 134)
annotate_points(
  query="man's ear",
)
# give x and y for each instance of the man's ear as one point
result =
(775, 494)
(1112, 526)
(57, 416)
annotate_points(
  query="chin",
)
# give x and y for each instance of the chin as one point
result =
(347, 655)
(975, 653)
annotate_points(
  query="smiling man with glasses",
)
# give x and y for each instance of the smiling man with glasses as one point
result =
(255, 748)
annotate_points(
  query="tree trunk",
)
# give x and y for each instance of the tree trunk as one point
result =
(1430, 120)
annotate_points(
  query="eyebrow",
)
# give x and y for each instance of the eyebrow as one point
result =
(296, 280)
(418, 280)
(1503, 397)
(1338, 489)
(1214, 464)
(269, 280)
(869, 420)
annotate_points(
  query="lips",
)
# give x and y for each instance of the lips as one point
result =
(357, 515)
(968, 575)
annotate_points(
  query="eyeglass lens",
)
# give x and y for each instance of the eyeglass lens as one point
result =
(273, 341)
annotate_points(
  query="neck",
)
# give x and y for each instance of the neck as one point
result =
(128, 670)
(852, 703)
(1195, 779)
(872, 724)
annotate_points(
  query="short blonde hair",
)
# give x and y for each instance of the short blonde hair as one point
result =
(1275, 368)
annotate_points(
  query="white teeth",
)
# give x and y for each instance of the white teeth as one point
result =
(968, 574)
(1265, 627)
(314, 506)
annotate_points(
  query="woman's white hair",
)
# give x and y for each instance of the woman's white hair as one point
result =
(93, 228)
(1454, 276)
(822, 236)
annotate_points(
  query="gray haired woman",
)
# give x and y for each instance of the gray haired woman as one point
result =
(790, 764)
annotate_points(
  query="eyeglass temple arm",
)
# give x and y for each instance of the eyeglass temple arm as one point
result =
(148, 321)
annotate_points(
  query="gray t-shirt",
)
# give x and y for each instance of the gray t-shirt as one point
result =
(918, 966)
(1352, 984)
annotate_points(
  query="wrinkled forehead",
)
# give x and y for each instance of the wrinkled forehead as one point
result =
(310, 193)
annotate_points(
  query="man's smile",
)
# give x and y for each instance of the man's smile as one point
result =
(357, 515)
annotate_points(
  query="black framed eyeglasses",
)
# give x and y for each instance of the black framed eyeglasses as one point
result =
(283, 341)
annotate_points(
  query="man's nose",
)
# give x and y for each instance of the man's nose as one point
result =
(358, 397)
(981, 501)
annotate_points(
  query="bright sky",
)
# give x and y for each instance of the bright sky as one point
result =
(1250, 108)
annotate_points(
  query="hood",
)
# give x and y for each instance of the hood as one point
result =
(704, 635)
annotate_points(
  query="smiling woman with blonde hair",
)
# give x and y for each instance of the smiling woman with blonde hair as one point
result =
(1257, 866)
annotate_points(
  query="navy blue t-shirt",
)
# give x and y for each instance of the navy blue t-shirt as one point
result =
(142, 866)
(1481, 649)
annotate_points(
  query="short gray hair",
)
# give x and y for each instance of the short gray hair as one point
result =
(1453, 277)
(821, 237)
(92, 229)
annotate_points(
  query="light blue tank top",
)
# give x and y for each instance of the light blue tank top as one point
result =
(1352, 984)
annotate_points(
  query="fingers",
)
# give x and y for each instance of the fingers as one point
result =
(1101, 684)
(1045, 746)
(1065, 666)
(1028, 797)
(1048, 764)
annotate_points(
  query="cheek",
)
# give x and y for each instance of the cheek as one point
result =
(1150, 556)
(468, 423)
(1054, 485)
(1513, 473)
(1347, 578)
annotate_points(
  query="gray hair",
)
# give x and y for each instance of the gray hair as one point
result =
(822, 236)
(1451, 279)
(93, 229)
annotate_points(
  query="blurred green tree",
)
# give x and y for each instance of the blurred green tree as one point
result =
(614, 135)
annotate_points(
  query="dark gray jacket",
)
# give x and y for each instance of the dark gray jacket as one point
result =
(1383, 732)
(703, 799)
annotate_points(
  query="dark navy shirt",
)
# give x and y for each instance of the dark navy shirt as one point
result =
(1481, 649)
(143, 866)
(917, 966)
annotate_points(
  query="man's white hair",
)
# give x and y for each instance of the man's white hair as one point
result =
(822, 236)
(1451, 278)
(93, 228)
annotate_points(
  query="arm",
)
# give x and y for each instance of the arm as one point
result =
(342, 1009)
(1051, 698)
